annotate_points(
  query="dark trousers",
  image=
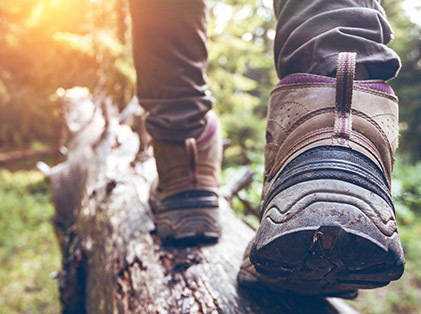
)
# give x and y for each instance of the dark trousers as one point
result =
(169, 39)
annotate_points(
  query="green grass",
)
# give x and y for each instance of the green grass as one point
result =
(28, 248)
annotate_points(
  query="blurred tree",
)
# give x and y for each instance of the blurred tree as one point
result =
(47, 44)
(241, 73)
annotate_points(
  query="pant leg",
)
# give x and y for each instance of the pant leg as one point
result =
(169, 47)
(311, 33)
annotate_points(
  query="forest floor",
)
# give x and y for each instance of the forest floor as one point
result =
(29, 253)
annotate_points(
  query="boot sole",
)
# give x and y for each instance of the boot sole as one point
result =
(193, 224)
(187, 217)
(327, 236)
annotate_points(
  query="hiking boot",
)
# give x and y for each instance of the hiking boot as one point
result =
(328, 224)
(185, 197)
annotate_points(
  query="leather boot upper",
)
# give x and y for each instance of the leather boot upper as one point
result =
(192, 165)
(307, 111)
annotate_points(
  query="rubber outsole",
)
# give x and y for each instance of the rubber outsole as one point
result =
(193, 224)
(328, 236)
(187, 217)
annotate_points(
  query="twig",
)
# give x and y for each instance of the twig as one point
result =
(241, 181)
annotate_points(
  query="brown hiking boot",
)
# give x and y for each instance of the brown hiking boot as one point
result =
(185, 199)
(328, 224)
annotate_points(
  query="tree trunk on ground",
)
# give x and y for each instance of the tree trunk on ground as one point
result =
(113, 262)
(17, 155)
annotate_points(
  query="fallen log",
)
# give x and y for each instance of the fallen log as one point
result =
(22, 154)
(113, 261)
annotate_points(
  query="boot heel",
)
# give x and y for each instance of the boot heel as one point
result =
(329, 231)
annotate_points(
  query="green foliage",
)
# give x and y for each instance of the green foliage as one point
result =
(47, 44)
(241, 73)
(407, 191)
(407, 85)
(28, 247)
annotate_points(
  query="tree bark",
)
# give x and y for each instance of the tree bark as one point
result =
(113, 262)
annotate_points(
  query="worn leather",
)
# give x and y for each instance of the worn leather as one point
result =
(302, 116)
(192, 165)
